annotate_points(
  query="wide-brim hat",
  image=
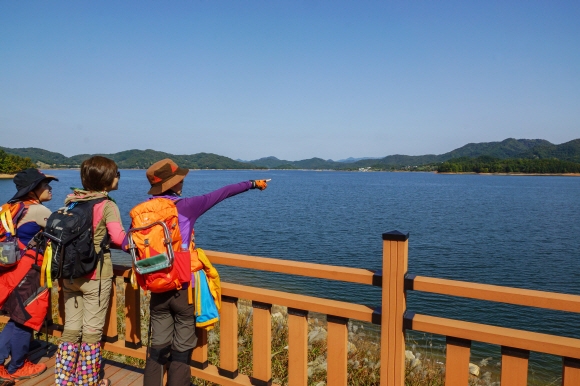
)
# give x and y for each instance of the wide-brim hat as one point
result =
(163, 175)
(27, 180)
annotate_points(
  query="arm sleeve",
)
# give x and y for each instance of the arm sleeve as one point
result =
(194, 207)
(113, 222)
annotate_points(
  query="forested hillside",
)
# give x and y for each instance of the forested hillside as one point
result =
(512, 149)
(10, 164)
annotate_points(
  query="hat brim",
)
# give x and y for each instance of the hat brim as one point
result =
(24, 191)
(170, 182)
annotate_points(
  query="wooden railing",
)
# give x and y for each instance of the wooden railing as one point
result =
(392, 315)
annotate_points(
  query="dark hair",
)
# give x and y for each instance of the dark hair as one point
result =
(98, 173)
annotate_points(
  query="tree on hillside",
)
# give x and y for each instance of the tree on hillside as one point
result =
(10, 164)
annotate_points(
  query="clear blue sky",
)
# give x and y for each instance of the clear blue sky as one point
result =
(292, 79)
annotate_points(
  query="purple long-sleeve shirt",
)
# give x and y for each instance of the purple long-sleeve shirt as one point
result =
(189, 209)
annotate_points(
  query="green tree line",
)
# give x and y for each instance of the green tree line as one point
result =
(10, 164)
(487, 164)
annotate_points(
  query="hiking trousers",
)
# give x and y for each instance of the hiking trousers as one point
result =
(172, 339)
(14, 343)
(85, 309)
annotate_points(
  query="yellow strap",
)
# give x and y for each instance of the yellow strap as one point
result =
(4, 223)
(197, 305)
(190, 293)
(10, 223)
(133, 279)
(44, 264)
(48, 263)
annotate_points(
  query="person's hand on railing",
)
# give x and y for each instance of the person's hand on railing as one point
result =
(259, 184)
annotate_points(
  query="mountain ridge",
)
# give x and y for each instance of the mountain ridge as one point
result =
(141, 159)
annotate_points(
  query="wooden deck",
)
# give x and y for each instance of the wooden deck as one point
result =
(118, 374)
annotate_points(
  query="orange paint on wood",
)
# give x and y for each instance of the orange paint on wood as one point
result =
(457, 362)
(514, 366)
(262, 342)
(229, 334)
(385, 316)
(401, 305)
(297, 348)
(570, 372)
(352, 275)
(132, 315)
(302, 302)
(525, 340)
(494, 293)
(110, 328)
(199, 353)
(337, 351)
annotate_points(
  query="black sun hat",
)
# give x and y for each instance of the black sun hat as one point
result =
(27, 180)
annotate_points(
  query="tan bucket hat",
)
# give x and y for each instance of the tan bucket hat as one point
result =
(163, 175)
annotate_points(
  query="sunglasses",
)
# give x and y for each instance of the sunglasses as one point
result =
(118, 174)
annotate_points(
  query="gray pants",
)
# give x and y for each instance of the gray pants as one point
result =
(172, 339)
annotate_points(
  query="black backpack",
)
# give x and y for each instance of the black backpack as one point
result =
(70, 230)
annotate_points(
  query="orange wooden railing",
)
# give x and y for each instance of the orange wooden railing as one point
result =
(392, 315)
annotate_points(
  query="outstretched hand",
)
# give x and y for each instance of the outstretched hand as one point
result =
(259, 184)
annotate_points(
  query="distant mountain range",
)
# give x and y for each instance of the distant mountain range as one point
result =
(141, 159)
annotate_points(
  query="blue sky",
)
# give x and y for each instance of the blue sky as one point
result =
(292, 79)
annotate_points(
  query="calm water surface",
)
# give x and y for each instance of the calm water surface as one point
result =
(513, 231)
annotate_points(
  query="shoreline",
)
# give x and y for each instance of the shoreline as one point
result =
(6, 176)
(516, 174)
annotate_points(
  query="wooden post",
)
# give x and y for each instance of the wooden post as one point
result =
(514, 366)
(229, 338)
(337, 350)
(570, 372)
(297, 347)
(262, 344)
(395, 257)
(132, 315)
(199, 354)
(457, 362)
(110, 333)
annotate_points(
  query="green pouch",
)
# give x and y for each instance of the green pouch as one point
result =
(152, 264)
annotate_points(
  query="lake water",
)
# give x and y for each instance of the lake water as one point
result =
(512, 231)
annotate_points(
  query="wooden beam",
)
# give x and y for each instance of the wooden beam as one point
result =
(457, 362)
(297, 347)
(570, 372)
(395, 256)
(494, 293)
(337, 351)
(330, 272)
(110, 333)
(229, 337)
(501, 336)
(199, 354)
(262, 344)
(514, 366)
(132, 315)
(302, 302)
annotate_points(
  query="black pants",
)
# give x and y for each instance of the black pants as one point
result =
(172, 339)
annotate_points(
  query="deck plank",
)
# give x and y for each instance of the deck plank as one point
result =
(116, 372)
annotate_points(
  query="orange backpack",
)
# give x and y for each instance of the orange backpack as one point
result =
(160, 261)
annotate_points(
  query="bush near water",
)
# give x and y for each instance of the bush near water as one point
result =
(11, 164)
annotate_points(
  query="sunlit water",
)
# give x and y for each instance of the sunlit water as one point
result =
(512, 231)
